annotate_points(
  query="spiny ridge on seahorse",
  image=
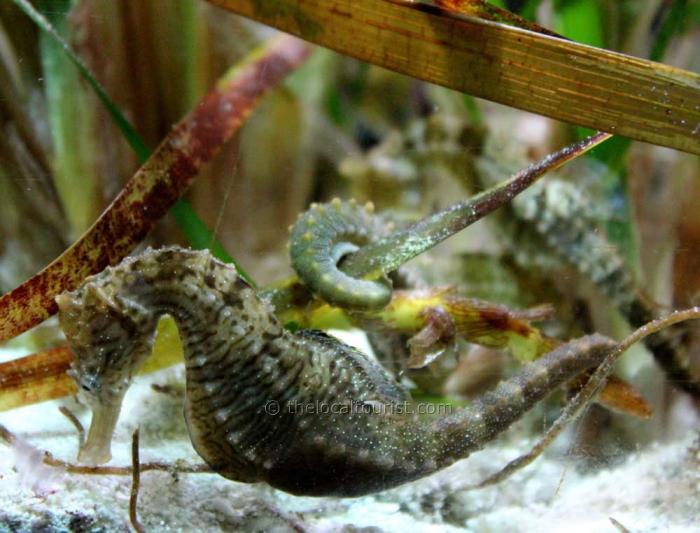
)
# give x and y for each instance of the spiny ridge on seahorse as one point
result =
(320, 239)
(301, 411)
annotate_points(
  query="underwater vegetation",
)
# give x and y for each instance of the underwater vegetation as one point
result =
(497, 265)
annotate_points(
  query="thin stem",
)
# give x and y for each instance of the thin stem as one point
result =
(390, 252)
(594, 384)
(135, 482)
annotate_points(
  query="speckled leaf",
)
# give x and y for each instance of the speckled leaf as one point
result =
(154, 188)
(561, 79)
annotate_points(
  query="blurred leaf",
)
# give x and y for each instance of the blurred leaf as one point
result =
(156, 186)
(58, 83)
(75, 155)
(575, 83)
(529, 9)
(580, 20)
(675, 16)
(127, 129)
(36, 378)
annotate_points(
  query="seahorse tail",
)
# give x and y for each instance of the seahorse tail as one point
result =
(321, 238)
(469, 430)
(594, 256)
(422, 447)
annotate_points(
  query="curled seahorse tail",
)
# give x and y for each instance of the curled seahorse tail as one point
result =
(321, 238)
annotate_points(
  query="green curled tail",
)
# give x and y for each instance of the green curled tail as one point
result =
(319, 241)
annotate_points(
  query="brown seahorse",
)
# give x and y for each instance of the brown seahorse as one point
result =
(301, 411)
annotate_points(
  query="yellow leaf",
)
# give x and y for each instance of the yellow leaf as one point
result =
(576, 83)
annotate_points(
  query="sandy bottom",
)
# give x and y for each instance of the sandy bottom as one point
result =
(655, 489)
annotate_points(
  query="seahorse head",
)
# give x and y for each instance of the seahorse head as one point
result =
(104, 340)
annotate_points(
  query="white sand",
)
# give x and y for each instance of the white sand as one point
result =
(656, 489)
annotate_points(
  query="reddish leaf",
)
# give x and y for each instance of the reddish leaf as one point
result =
(485, 11)
(156, 186)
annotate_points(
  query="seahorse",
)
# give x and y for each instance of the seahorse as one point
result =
(564, 217)
(320, 239)
(300, 411)
(413, 171)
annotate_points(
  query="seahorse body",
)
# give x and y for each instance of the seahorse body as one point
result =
(319, 240)
(301, 411)
(565, 218)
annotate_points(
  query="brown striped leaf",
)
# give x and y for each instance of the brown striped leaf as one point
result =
(155, 187)
(561, 79)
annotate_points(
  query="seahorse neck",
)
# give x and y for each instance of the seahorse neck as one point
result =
(209, 302)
